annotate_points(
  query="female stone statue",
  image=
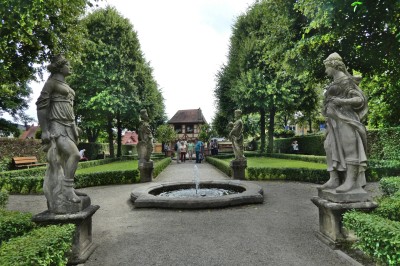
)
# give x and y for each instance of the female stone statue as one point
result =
(236, 135)
(59, 134)
(344, 107)
(145, 145)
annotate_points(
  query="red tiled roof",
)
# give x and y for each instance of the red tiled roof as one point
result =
(130, 138)
(188, 116)
(30, 133)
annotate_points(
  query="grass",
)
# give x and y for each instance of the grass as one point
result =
(280, 163)
(115, 166)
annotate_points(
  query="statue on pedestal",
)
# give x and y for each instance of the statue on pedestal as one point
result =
(345, 105)
(145, 145)
(59, 135)
(236, 135)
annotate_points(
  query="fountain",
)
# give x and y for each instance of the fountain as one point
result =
(196, 194)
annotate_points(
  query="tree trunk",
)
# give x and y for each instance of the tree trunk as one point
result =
(270, 147)
(110, 135)
(310, 125)
(92, 134)
(119, 135)
(262, 128)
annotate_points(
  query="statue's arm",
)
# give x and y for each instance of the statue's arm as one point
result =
(43, 110)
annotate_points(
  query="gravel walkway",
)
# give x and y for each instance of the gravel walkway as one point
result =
(281, 231)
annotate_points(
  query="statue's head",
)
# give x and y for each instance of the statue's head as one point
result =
(143, 114)
(336, 62)
(57, 63)
(238, 113)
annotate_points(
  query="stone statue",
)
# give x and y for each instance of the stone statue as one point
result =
(344, 107)
(236, 135)
(145, 145)
(59, 135)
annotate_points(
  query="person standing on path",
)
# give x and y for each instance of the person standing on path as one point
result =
(178, 150)
(190, 149)
(199, 149)
(183, 151)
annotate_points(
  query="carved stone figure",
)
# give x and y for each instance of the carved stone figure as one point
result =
(59, 135)
(145, 145)
(236, 135)
(344, 107)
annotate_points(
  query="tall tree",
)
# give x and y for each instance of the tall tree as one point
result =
(31, 32)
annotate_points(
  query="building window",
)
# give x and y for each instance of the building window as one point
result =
(189, 129)
(178, 129)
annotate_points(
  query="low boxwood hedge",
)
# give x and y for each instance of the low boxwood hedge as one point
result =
(317, 176)
(390, 185)
(378, 237)
(13, 224)
(220, 164)
(3, 199)
(42, 246)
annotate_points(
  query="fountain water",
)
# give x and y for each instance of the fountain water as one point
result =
(189, 195)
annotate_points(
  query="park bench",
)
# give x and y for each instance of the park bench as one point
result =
(26, 162)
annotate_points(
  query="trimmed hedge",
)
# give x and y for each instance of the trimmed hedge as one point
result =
(383, 144)
(42, 246)
(160, 166)
(389, 207)
(378, 237)
(106, 178)
(317, 176)
(299, 157)
(221, 165)
(390, 185)
(3, 199)
(13, 224)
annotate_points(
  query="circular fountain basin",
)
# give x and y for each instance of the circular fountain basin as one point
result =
(230, 193)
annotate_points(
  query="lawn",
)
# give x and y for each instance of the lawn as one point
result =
(115, 166)
(280, 163)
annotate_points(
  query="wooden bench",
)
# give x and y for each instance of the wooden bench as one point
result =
(26, 162)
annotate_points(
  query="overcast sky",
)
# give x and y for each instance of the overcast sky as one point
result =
(186, 43)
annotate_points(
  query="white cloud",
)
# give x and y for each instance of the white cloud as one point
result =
(186, 42)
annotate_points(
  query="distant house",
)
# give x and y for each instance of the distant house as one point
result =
(30, 132)
(130, 138)
(187, 123)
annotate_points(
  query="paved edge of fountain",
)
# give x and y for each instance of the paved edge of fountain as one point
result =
(252, 193)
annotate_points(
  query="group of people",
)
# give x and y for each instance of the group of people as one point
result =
(185, 149)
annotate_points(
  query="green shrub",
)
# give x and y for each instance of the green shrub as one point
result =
(378, 237)
(161, 165)
(291, 174)
(221, 165)
(299, 157)
(42, 246)
(3, 199)
(309, 144)
(389, 207)
(389, 185)
(106, 178)
(13, 224)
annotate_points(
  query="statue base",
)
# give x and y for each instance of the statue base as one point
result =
(331, 230)
(238, 169)
(82, 245)
(146, 171)
(64, 207)
(356, 195)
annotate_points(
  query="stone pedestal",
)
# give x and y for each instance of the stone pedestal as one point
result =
(331, 230)
(82, 245)
(238, 169)
(146, 171)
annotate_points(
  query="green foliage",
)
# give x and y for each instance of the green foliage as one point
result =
(32, 32)
(299, 157)
(160, 166)
(106, 178)
(42, 246)
(317, 176)
(220, 164)
(390, 185)
(3, 199)
(308, 144)
(378, 237)
(165, 134)
(389, 207)
(283, 133)
(10, 147)
(13, 224)
(383, 144)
